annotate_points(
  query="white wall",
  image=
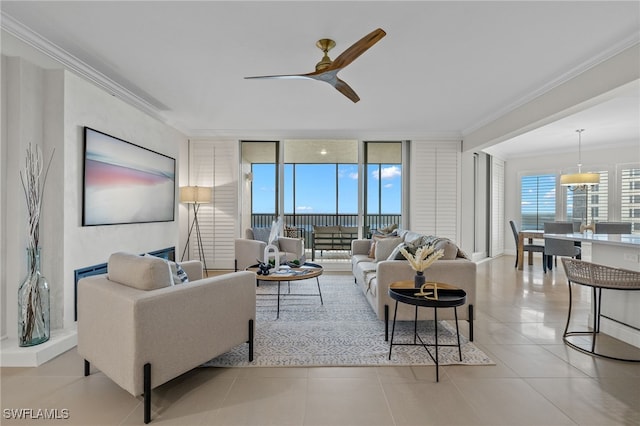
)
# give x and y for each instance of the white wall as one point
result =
(3, 192)
(58, 104)
(602, 159)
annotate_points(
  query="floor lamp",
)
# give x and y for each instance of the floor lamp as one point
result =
(195, 195)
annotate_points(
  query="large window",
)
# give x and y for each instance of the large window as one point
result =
(538, 201)
(630, 196)
(321, 184)
(320, 189)
(383, 184)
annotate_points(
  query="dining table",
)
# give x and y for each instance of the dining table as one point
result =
(530, 235)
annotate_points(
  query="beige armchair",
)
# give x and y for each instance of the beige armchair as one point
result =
(248, 250)
(141, 330)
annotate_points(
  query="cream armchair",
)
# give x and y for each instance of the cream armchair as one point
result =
(141, 331)
(248, 250)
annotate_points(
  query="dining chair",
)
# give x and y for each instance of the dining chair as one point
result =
(613, 228)
(527, 247)
(554, 247)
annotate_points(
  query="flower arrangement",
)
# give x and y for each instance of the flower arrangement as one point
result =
(424, 257)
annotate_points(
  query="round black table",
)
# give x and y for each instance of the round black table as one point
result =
(447, 297)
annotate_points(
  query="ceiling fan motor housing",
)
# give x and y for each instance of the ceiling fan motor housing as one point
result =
(325, 45)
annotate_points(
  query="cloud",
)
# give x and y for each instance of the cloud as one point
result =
(387, 173)
(388, 185)
(304, 208)
(353, 175)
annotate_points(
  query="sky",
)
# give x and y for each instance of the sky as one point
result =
(315, 188)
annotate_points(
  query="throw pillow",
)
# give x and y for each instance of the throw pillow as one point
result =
(411, 237)
(178, 275)
(291, 232)
(372, 250)
(449, 248)
(389, 229)
(141, 272)
(396, 254)
(261, 234)
(385, 246)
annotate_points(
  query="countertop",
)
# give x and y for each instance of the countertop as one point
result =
(622, 240)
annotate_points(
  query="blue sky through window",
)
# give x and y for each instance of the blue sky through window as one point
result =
(317, 192)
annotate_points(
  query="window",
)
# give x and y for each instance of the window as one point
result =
(594, 198)
(383, 184)
(263, 191)
(630, 196)
(537, 201)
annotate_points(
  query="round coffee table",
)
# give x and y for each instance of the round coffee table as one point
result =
(447, 297)
(306, 271)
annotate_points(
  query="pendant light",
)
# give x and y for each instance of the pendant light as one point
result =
(579, 180)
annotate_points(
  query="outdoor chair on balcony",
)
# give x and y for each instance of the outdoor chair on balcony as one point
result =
(332, 238)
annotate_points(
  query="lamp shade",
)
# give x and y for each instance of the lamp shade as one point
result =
(579, 179)
(195, 194)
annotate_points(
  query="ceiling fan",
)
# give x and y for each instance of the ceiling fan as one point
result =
(327, 70)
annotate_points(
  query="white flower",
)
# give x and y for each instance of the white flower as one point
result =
(423, 258)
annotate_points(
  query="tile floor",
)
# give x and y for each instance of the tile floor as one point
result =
(537, 380)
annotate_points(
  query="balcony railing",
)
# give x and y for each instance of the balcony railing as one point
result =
(305, 222)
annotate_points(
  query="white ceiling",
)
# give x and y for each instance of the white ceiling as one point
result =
(443, 70)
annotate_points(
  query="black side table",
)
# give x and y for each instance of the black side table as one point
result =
(447, 298)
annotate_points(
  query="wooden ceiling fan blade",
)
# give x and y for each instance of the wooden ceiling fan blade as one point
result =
(346, 90)
(358, 48)
(282, 76)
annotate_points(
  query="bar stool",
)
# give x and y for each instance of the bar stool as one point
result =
(597, 277)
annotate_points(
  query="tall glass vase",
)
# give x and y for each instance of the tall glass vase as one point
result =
(33, 304)
(419, 279)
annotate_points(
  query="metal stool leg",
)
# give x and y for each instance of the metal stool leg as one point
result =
(455, 313)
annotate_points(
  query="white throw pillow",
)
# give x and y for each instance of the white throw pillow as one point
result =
(385, 246)
(178, 275)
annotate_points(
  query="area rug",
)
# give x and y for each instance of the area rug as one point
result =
(344, 331)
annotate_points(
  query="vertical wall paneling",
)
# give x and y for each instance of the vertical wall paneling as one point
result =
(497, 207)
(215, 164)
(435, 171)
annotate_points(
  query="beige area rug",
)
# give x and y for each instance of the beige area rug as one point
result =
(344, 331)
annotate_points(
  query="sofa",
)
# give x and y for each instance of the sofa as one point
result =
(376, 263)
(251, 248)
(332, 238)
(145, 322)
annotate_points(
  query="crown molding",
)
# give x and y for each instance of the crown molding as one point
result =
(624, 44)
(359, 134)
(73, 64)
